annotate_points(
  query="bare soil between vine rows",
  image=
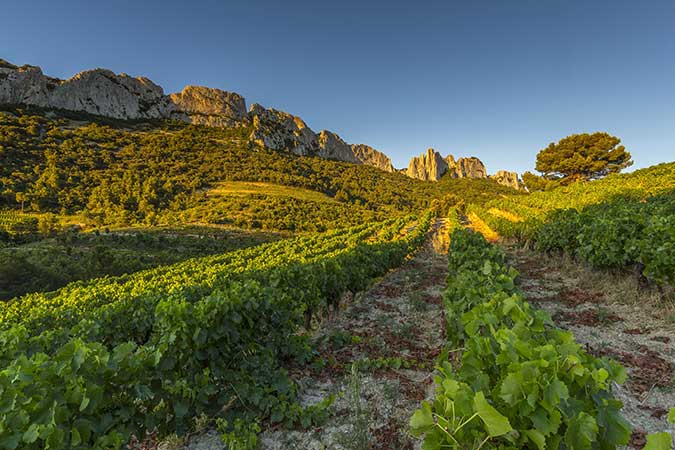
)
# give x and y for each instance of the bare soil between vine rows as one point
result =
(400, 318)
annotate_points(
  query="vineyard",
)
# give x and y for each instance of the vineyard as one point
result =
(16, 223)
(94, 363)
(621, 222)
(261, 299)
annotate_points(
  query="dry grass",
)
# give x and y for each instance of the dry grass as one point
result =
(511, 217)
(618, 286)
(246, 188)
(478, 225)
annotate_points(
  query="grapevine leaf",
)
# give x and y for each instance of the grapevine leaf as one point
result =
(555, 392)
(31, 434)
(545, 422)
(536, 437)
(422, 420)
(496, 423)
(581, 432)
(10, 442)
(511, 390)
(659, 441)
(671, 416)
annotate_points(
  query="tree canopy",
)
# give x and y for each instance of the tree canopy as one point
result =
(583, 157)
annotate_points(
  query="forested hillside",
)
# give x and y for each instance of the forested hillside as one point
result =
(162, 173)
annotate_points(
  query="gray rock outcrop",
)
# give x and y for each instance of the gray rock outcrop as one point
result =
(371, 157)
(331, 146)
(429, 166)
(104, 93)
(510, 179)
(97, 91)
(470, 167)
(279, 130)
(120, 96)
(207, 106)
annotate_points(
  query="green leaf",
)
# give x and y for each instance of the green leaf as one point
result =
(659, 441)
(556, 391)
(422, 420)
(511, 390)
(536, 437)
(31, 434)
(10, 442)
(181, 409)
(546, 422)
(615, 428)
(79, 355)
(496, 423)
(581, 432)
(84, 403)
(75, 438)
(671, 416)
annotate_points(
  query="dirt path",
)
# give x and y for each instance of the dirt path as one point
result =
(380, 350)
(610, 316)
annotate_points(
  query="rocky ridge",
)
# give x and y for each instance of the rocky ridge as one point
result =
(120, 96)
(431, 166)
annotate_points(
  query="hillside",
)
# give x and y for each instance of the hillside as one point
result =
(163, 173)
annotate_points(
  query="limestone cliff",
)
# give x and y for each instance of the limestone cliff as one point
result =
(509, 179)
(470, 167)
(104, 93)
(280, 130)
(120, 96)
(429, 166)
(97, 91)
(369, 156)
(432, 166)
(331, 146)
(207, 106)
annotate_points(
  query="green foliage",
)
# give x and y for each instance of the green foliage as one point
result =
(621, 221)
(583, 157)
(48, 264)
(90, 365)
(520, 383)
(616, 234)
(239, 436)
(537, 183)
(168, 173)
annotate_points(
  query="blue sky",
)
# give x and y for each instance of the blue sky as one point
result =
(494, 79)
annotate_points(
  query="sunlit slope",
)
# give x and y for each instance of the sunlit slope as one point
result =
(640, 184)
(620, 222)
(165, 173)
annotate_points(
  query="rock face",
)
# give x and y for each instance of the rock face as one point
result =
(470, 167)
(207, 106)
(371, 157)
(429, 166)
(432, 166)
(280, 130)
(331, 146)
(509, 179)
(97, 91)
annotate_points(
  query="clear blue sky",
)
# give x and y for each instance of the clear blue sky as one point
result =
(494, 79)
